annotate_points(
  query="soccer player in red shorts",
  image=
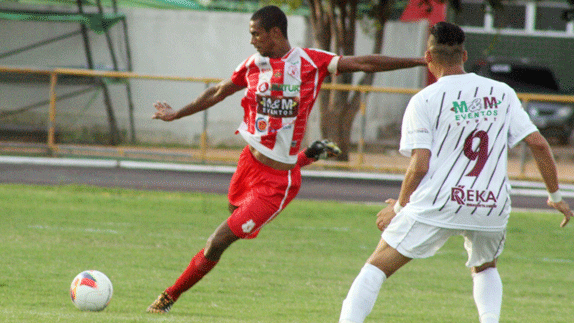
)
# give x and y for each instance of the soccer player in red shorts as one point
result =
(281, 85)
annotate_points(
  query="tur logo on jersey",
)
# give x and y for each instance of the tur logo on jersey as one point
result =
(478, 108)
(473, 198)
(293, 88)
(278, 106)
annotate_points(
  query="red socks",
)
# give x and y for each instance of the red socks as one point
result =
(198, 267)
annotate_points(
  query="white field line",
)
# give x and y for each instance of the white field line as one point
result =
(519, 187)
(105, 163)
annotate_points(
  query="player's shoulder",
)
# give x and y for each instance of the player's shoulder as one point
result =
(313, 58)
(429, 91)
(313, 52)
(490, 82)
(318, 50)
(252, 59)
(461, 80)
(435, 91)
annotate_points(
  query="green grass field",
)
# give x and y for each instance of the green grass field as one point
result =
(299, 269)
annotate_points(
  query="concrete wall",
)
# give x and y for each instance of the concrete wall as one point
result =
(177, 43)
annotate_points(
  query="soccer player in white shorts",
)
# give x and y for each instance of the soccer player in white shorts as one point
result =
(457, 132)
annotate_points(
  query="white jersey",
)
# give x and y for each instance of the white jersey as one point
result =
(468, 122)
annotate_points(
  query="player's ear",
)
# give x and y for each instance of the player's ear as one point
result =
(428, 56)
(276, 32)
(464, 56)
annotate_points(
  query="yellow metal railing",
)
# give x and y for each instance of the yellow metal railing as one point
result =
(363, 89)
(53, 74)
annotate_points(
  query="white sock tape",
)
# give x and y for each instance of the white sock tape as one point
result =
(555, 197)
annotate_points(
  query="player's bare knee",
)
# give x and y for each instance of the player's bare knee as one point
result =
(216, 244)
(213, 249)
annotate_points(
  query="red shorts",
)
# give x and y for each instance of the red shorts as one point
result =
(260, 193)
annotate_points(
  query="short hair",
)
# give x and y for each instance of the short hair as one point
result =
(271, 16)
(446, 33)
(447, 43)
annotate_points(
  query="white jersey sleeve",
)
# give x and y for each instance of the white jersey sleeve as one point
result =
(519, 130)
(416, 129)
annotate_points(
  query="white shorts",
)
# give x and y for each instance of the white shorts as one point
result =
(415, 240)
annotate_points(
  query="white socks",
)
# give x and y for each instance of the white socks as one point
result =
(487, 292)
(362, 295)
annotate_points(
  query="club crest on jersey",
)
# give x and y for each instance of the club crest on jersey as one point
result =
(278, 106)
(261, 124)
(292, 71)
(473, 198)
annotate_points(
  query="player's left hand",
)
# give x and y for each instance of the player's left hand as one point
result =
(164, 112)
(563, 207)
(386, 215)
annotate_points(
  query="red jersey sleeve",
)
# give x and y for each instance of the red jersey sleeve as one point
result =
(239, 76)
(326, 61)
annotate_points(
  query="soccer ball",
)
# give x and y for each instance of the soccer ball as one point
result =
(91, 290)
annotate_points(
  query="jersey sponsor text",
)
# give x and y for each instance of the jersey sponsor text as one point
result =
(278, 106)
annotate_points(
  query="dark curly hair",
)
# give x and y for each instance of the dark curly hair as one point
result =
(271, 16)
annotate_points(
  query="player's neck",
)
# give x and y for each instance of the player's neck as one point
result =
(449, 70)
(281, 50)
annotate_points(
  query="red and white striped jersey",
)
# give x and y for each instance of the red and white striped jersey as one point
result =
(279, 97)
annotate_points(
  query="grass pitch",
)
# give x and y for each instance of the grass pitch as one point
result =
(299, 269)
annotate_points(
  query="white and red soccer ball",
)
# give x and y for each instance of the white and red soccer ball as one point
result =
(91, 290)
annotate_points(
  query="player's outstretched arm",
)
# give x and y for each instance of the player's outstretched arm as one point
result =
(542, 154)
(377, 63)
(206, 99)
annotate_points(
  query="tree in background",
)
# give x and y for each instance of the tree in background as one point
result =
(334, 24)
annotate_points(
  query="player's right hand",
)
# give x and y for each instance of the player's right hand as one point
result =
(164, 112)
(563, 207)
(386, 215)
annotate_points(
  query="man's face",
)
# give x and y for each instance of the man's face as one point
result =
(261, 39)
